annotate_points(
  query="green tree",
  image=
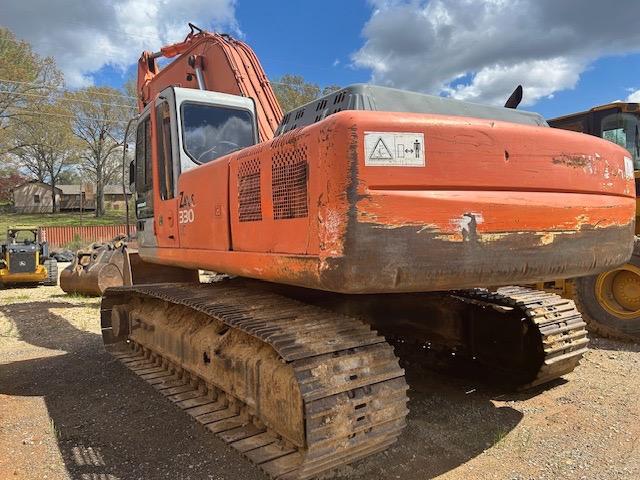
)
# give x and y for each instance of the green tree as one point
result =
(46, 145)
(26, 79)
(100, 118)
(130, 92)
(71, 176)
(293, 91)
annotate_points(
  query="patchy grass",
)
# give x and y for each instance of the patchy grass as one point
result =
(10, 331)
(17, 298)
(75, 296)
(54, 430)
(499, 436)
(66, 219)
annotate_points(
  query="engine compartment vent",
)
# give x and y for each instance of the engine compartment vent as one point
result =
(249, 205)
(384, 99)
(289, 174)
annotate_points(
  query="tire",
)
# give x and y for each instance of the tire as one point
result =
(597, 299)
(51, 264)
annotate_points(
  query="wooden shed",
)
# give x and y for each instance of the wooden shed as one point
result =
(35, 197)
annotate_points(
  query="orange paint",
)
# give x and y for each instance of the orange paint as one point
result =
(554, 196)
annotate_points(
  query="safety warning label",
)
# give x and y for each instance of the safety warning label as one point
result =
(397, 149)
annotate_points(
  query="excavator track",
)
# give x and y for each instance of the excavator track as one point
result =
(560, 331)
(519, 336)
(297, 389)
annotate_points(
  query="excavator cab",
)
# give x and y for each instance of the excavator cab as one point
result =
(191, 128)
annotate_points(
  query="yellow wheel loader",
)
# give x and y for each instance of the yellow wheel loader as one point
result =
(609, 301)
(24, 258)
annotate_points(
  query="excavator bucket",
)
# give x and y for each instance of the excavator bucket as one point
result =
(96, 268)
(136, 271)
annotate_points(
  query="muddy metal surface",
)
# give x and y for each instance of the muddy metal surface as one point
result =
(69, 411)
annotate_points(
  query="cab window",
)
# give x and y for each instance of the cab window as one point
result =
(211, 131)
(144, 177)
(165, 164)
(622, 128)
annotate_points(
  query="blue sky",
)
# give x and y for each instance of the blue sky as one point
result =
(607, 79)
(569, 55)
(291, 38)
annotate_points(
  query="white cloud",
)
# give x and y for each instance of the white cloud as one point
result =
(634, 97)
(479, 50)
(85, 35)
(541, 78)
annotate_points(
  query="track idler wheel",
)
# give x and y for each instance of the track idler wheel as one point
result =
(120, 321)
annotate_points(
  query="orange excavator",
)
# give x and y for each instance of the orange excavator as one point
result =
(369, 208)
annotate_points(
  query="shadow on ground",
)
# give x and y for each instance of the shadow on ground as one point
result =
(112, 425)
(109, 424)
(600, 343)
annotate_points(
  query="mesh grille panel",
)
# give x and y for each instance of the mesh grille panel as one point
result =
(289, 184)
(22, 262)
(250, 208)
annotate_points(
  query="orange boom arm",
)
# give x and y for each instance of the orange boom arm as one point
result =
(211, 61)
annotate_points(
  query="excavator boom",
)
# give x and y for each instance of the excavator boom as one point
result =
(216, 62)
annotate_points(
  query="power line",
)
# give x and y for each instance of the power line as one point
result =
(53, 87)
(66, 99)
(97, 119)
(115, 56)
(123, 96)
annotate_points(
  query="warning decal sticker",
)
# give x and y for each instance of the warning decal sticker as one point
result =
(394, 149)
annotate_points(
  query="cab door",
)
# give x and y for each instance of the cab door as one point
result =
(164, 133)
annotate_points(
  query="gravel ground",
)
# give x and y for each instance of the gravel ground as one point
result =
(69, 411)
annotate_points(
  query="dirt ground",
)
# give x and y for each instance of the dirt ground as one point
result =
(69, 411)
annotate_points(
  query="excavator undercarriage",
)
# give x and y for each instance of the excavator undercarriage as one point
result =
(301, 388)
(296, 388)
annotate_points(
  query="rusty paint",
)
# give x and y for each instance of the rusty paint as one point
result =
(575, 160)
(524, 211)
(94, 270)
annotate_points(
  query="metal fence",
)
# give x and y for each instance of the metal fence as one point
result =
(61, 236)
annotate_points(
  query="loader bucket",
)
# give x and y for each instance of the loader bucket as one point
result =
(95, 269)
